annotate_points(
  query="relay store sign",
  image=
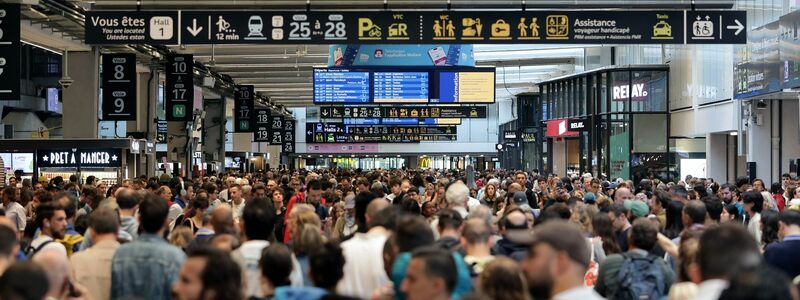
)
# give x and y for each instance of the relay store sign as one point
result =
(633, 92)
(416, 27)
(560, 128)
(73, 158)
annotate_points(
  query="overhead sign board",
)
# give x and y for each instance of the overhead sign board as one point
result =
(560, 129)
(288, 145)
(161, 131)
(119, 87)
(413, 27)
(261, 119)
(341, 133)
(84, 158)
(243, 102)
(510, 135)
(9, 52)
(276, 130)
(179, 92)
(339, 112)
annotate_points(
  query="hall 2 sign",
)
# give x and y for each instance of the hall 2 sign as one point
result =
(73, 158)
(634, 92)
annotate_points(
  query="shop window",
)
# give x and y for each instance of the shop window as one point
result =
(619, 147)
(650, 132)
(648, 91)
(620, 91)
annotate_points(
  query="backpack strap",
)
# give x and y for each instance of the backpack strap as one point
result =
(32, 251)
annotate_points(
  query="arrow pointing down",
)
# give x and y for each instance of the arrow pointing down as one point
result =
(194, 30)
(739, 27)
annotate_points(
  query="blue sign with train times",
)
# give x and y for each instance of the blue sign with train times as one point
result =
(417, 27)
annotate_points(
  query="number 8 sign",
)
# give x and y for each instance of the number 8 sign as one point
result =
(119, 87)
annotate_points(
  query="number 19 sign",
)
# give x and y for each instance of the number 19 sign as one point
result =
(119, 87)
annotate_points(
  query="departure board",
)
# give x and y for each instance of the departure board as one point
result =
(341, 86)
(466, 87)
(400, 87)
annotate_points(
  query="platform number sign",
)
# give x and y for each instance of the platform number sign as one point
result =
(119, 87)
(288, 136)
(261, 119)
(276, 130)
(243, 108)
(179, 92)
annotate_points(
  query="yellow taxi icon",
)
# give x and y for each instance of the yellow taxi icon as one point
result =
(662, 29)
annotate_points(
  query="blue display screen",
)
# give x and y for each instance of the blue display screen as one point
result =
(400, 87)
(341, 86)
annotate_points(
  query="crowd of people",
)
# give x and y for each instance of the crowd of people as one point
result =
(399, 234)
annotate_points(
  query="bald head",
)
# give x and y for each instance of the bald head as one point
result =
(374, 207)
(56, 265)
(622, 194)
(515, 220)
(222, 219)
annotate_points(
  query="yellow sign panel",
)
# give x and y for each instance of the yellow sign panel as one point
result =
(557, 27)
(367, 30)
(475, 87)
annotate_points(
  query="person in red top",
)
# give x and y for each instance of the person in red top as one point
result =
(312, 196)
(777, 194)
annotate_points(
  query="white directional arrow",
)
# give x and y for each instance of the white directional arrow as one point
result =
(194, 30)
(739, 27)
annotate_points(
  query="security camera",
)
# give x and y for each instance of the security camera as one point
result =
(761, 104)
(65, 82)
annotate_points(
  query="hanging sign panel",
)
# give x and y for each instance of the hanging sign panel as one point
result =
(180, 87)
(288, 136)
(261, 118)
(339, 112)
(72, 158)
(276, 130)
(9, 52)
(119, 87)
(243, 108)
(415, 27)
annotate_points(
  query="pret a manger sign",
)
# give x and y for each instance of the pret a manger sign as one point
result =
(79, 157)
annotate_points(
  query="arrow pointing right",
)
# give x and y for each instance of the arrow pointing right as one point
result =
(194, 30)
(739, 27)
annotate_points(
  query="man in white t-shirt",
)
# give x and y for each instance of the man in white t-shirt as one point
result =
(14, 211)
(363, 269)
(52, 220)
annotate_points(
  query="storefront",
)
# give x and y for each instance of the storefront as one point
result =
(612, 121)
(106, 159)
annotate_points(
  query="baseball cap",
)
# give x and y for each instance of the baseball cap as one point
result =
(350, 201)
(638, 208)
(520, 198)
(589, 198)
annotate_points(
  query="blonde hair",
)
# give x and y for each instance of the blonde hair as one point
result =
(181, 236)
(583, 215)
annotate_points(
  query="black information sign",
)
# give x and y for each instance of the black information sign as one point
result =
(510, 135)
(9, 52)
(288, 136)
(261, 118)
(119, 87)
(578, 125)
(84, 158)
(716, 27)
(339, 112)
(132, 27)
(161, 131)
(180, 87)
(340, 133)
(410, 27)
(243, 108)
(276, 130)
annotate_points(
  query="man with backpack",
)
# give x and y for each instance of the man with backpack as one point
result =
(51, 219)
(636, 274)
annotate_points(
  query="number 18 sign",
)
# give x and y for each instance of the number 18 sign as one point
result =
(119, 87)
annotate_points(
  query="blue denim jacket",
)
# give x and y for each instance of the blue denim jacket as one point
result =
(145, 268)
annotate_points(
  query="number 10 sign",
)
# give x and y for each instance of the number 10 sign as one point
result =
(119, 87)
